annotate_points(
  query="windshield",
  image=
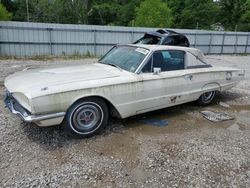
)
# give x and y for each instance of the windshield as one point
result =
(125, 57)
(149, 39)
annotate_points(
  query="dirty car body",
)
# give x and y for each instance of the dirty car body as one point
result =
(128, 80)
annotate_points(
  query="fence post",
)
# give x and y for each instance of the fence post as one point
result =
(132, 36)
(50, 40)
(195, 39)
(1, 53)
(223, 40)
(210, 42)
(236, 42)
(95, 42)
(247, 43)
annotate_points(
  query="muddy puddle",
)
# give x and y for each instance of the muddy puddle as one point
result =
(187, 117)
(125, 144)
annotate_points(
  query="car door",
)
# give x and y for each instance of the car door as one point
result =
(166, 88)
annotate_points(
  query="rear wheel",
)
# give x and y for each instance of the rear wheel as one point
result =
(87, 117)
(206, 98)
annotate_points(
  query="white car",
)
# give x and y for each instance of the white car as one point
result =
(128, 80)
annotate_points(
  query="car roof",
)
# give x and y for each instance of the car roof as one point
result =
(196, 52)
(163, 47)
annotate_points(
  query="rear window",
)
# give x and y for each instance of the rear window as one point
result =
(149, 39)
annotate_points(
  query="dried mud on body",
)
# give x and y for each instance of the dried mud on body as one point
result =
(189, 151)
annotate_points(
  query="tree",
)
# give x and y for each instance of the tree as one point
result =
(231, 12)
(235, 14)
(198, 13)
(53, 11)
(4, 14)
(103, 14)
(153, 13)
(176, 7)
(244, 24)
(21, 10)
(126, 12)
(9, 5)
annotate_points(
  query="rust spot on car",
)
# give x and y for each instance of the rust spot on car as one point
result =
(173, 99)
(44, 88)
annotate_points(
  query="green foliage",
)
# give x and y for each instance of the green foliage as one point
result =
(53, 11)
(198, 13)
(4, 14)
(231, 14)
(176, 7)
(127, 12)
(153, 13)
(103, 14)
(20, 13)
(9, 5)
(244, 22)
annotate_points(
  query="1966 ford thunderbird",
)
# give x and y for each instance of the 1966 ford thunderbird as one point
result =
(128, 80)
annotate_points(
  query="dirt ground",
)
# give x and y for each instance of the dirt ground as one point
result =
(189, 152)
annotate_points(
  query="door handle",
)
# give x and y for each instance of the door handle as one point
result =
(189, 76)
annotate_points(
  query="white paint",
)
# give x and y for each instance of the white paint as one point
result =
(130, 93)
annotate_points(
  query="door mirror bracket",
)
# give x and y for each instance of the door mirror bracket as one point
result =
(156, 70)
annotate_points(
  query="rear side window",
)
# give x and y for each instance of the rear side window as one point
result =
(173, 60)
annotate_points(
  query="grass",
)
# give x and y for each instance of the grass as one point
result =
(50, 57)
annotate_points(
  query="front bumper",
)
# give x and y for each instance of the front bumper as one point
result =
(13, 105)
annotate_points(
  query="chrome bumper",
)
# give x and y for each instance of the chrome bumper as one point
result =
(12, 104)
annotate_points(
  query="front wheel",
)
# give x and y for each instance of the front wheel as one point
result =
(86, 117)
(206, 98)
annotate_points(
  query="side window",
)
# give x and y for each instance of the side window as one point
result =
(168, 60)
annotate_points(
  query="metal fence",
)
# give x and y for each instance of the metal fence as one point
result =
(30, 39)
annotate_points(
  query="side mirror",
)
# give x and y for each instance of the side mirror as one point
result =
(156, 70)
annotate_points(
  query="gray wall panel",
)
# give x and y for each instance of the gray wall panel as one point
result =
(240, 49)
(228, 49)
(242, 40)
(230, 40)
(202, 39)
(215, 49)
(217, 39)
(28, 39)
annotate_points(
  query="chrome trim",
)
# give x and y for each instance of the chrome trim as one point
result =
(25, 115)
(148, 56)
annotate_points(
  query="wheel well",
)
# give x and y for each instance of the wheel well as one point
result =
(112, 110)
(212, 86)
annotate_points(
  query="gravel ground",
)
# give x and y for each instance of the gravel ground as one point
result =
(189, 152)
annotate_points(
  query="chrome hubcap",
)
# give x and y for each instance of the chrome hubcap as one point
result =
(208, 96)
(86, 117)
